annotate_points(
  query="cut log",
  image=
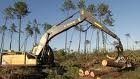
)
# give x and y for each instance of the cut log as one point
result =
(99, 73)
(87, 73)
(94, 73)
(81, 72)
(112, 63)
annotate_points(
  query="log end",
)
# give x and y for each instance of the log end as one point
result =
(104, 62)
(87, 73)
(81, 72)
(92, 74)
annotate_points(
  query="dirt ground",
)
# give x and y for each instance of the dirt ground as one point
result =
(67, 67)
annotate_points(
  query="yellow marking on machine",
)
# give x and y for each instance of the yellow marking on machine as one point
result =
(97, 24)
(17, 59)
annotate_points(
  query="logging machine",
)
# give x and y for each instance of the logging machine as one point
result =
(42, 53)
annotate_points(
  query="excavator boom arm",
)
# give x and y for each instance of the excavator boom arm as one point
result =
(84, 16)
(63, 27)
(52, 32)
(95, 23)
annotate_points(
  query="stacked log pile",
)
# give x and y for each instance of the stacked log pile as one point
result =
(107, 67)
(92, 72)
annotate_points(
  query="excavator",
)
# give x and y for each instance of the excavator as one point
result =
(43, 54)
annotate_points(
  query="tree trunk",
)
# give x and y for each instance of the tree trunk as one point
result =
(3, 33)
(127, 42)
(91, 41)
(2, 41)
(104, 44)
(85, 45)
(66, 37)
(66, 42)
(71, 40)
(97, 41)
(11, 36)
(19, 32)
(25, 44)
(0, 58)
(35, 38)
(79, 42)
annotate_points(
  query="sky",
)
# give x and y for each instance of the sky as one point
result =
(125, 13)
